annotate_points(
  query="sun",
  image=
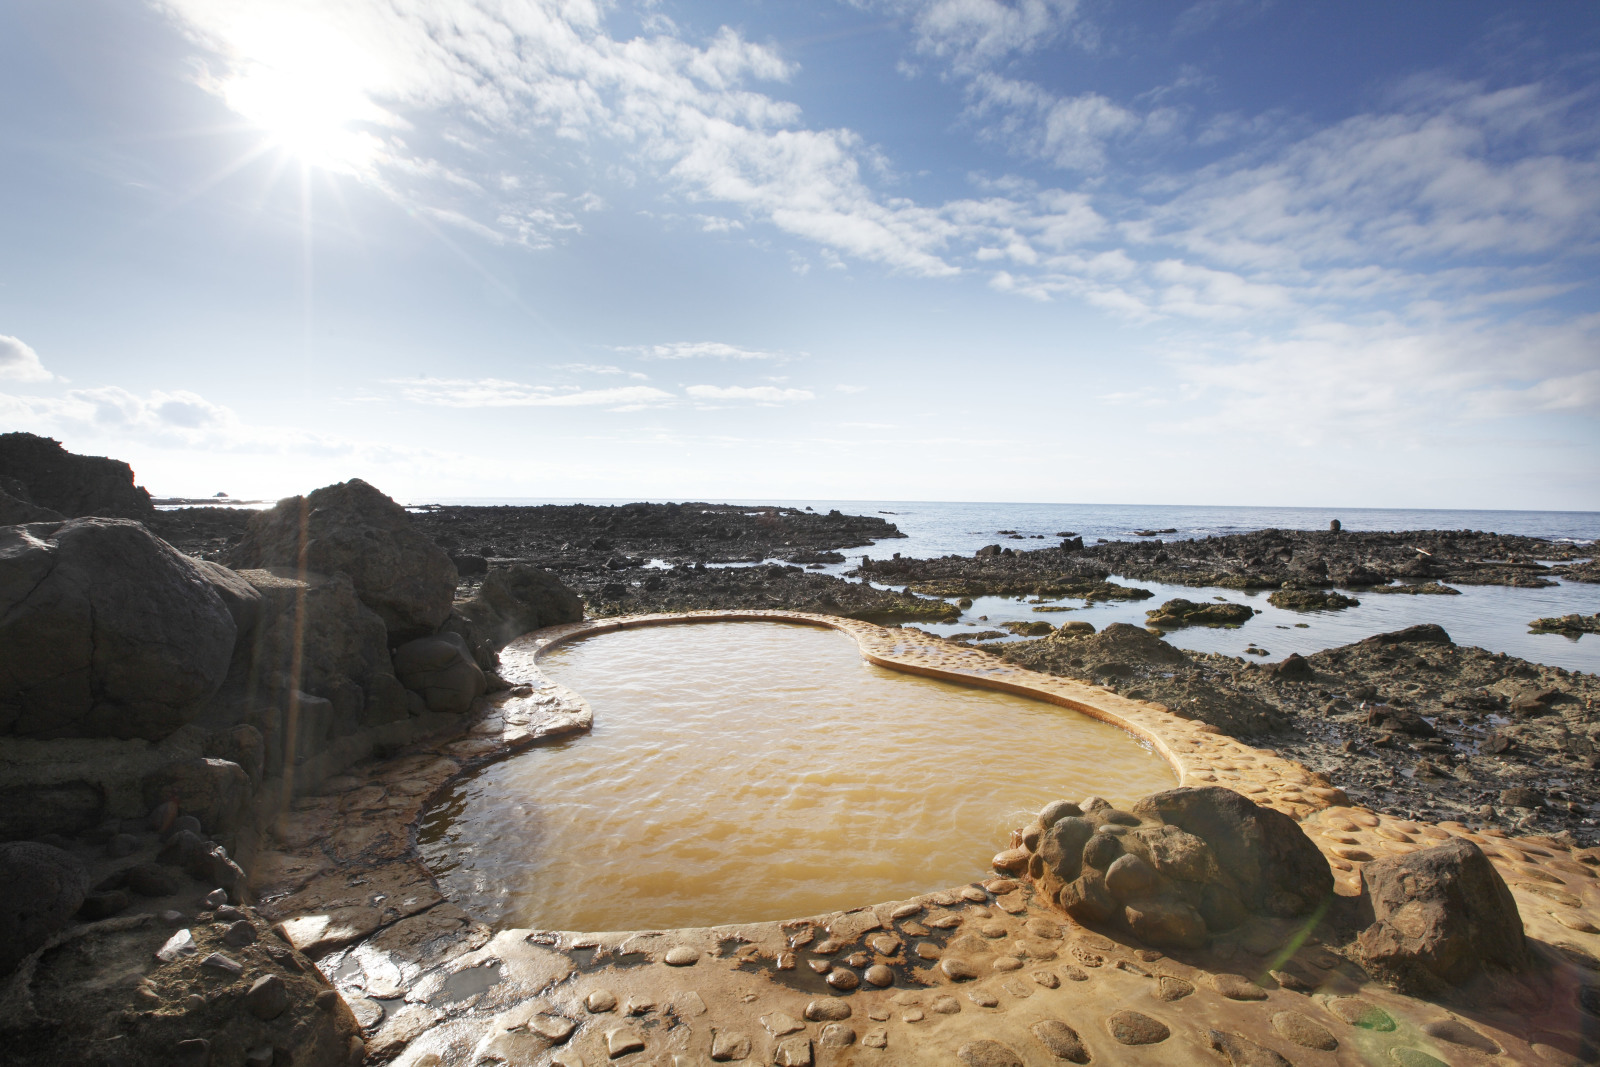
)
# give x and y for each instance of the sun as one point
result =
(308, 89)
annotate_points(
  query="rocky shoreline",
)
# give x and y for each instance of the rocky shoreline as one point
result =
(185, 695)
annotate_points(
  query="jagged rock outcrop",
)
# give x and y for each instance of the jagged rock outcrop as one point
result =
(70, 484)
(105, 631)
(514, 600)
(1182, 865)
(442, 671)
(1441, 917)
(353, 529)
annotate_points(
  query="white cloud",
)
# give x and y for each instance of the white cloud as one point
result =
(21, 363)
(760, 394)
(499, 393)
(972, 33)
(701, 350)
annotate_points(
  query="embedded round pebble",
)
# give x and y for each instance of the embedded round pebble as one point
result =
(944, 1005)
(1075, 973)
(1170, 988)
(1136, 1028)
(601, 1000)
(974, 894)
(836, 1035)
(1459, 1033)
(1048, 979)
(987, 1054)
(828, 1010)
(1242, 1052)
(879, 975)
(957, 969)
(1061, 1040)
(1237, 987)
(1304, 1031)
(682, 956)
(844, 979)
(877, 1037)
(1362, 1013)
(983, 998)
(1410, 1057)
(1007, 963)
(927, 950)
(995, 929)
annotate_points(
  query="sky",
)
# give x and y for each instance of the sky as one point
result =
(1234, 252)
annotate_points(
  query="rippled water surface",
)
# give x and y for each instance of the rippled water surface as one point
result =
(748, 771)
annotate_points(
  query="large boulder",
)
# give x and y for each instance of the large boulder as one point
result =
(41, 887)
(353, 529)
(217, 792)
(70, 484)
(514, 600)
(1179, 867)
(105, 631)
(442, 671)
(1441, 917)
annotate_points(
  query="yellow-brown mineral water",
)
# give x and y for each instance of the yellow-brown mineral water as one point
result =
(748, 771)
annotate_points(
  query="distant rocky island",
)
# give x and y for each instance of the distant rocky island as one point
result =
(176, 684)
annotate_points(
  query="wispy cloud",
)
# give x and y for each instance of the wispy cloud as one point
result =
(19, 362)
(759, 394)
(701, 350)
(500, 393)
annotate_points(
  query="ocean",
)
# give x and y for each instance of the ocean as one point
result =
(1491, 617)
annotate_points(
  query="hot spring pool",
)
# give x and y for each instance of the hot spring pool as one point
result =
(748, 771)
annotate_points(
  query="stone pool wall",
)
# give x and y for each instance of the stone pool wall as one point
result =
(987, 973)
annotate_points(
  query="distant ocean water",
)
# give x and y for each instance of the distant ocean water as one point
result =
(1492, 617)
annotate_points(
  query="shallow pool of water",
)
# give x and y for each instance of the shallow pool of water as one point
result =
(740, 772)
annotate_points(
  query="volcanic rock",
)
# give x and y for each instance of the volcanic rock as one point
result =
(40, 889)
(70, 484)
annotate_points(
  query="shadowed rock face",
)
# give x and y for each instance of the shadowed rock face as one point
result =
(70, 484)
(353, 529)
(40, 888)
(105, 631)
(1441, 917)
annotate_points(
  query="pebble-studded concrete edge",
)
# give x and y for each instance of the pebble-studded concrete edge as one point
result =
(432, 985)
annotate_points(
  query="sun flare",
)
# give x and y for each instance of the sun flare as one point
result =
(308, 88)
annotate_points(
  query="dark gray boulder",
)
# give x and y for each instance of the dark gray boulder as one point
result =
(1441, 917)
(353, 529)
(105, 631)
(15, 511)
(41, 887)
(70, 484)
(514, 600)
(441, 670)
(217, 792)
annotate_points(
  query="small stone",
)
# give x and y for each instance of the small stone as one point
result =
(121, 845)
(998, 886)
(884, 944)
(843, 979)
(1132, 968)
(957, 969)
(913, 1015)
(228, 913)
(194, 1002)
(973, 893)
(858, 960)
(1007, 963)
(780, 1023)
(944, 1005)
(983, 998)
(927, 950)
(173, 918)
(1304, 1031)
(268, 998)
(1062, 1041)
(239, 934)
(827, 1009)
(327, 1000)
(1459, 1033)
(368, 1012)
(786, 961)
(1410, 1057)
(948, 921)
(795, 1052)
(1135, 1028)
(553, 1028)
(994, 930)
(877, 1037)
(621, 1041)
(878, 1014)
(836, 1035)
(729, 1045)
(1237, 987)
(179, 945)
(820, 966)
(905, 911)
(682, 956)
(1244, 1053)
(826, 948)
(1362, 1013)
(225, 964)
(194, 1052)
(1294, 980)
(216, 898)
(879, 975)
(1169, 988)
(601, 1000)
(638, 1006)
(987, 1054)
(1048, 979)
(916, 929)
